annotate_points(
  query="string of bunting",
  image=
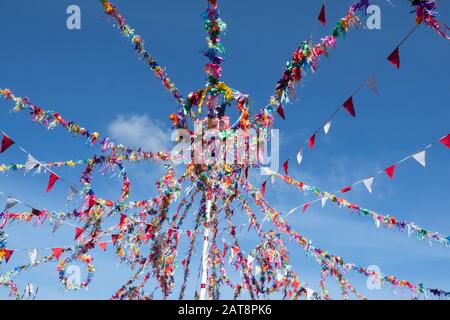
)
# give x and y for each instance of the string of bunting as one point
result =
(386, 220)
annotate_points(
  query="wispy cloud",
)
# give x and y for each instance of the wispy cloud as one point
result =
(140, 131)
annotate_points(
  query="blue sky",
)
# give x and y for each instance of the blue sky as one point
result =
(93, 76)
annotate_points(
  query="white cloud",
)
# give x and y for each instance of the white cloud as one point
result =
(140, 131)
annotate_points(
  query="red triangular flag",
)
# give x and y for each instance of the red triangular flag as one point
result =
(286, 167)
(322, 17)
(390, 171)
(6, 143)
(188, 232)
(122, 219)
(312, 141)
(36, 212)
(114, 238)
(103, 245)
(394, 58)
(51, 181)
(78, 232)
(347, 189)
(91, 202)
(305, 207)
(263, 189)
(183, 262)
(446, 140)
(348, 105)
(236, 250)
(280, 111)
(8, 254)
(290, 293)
(57, 252)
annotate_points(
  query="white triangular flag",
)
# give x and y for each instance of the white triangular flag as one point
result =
(371, 83)
(368, 183)
(56, 224)
(250, 260)
(273, 178)
(32, 163)
(33, 255)
(420, 157)
(309, 293)
(279, 276)
(300, 156)
(377, 222)
(324, 201)
(326, 127)
(73, 192)
(10, 202)
(257, 270)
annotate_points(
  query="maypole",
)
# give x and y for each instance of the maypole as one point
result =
(205, 252)
(214, 52)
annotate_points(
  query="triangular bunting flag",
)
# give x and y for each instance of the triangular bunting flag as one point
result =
(257, 270)
(368, 183)
(183, 262)
(263, 188)
(280, 111)
(122, 219)
(51, 181)
(33, 255)
(286, 167)
(446, 141)
(322, 16)
(7, 254)
(420, 157)
(10, 202)
(31, 163)
(346, 189)
(73, 192)
(305, 207)
(326, 127)
(300, 156)
(235, 250)
(6, 143)
(56, 224)
(103, 245)
(91, 202)
(390, 171)
(394, 58)
(57, 252)
(78, 232)
(114, 238)
(371, 83)
(312, 141)
(349, 106)
(324, 201)
(188, 232)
